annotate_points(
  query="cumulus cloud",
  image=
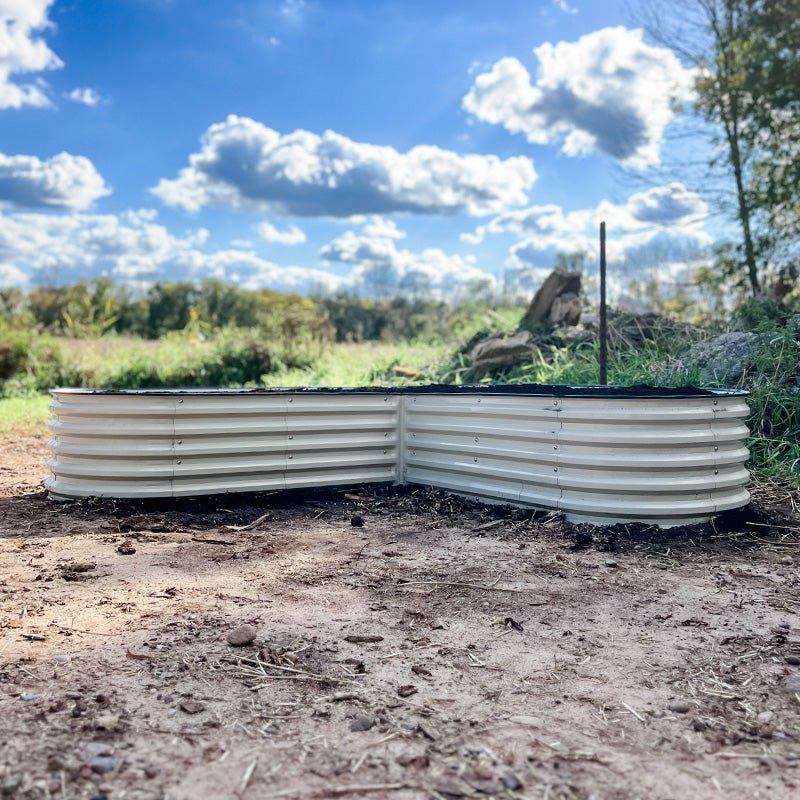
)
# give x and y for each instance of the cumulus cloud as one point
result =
(665, 217)
(609, 91)
(38, 248)
(63, 181)
(382, 269)
(245, 165)
(24, 52)
(269, 233)
(84, 95)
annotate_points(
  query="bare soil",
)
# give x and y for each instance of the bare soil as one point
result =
(441, 650)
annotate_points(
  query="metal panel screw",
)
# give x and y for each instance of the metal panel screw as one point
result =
(179, 461)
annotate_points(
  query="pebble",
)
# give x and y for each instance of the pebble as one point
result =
(191, 706)
(97, 748)
(357, 521)
(511, 781)
(60, 659)
(107, 722)
(126, 548)
(765, 717)
(680, 707)
(791, 684)
(362, 724)
(788, 560)
(793, 660)
(103, 763)
(452, 787)
(241, 636)
(528, 721)
(610, 562)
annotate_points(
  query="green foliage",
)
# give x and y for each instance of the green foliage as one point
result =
(29, 362)
(773, 383)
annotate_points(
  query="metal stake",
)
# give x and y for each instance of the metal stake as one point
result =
(603, 317)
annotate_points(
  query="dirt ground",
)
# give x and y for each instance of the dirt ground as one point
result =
(441, 650)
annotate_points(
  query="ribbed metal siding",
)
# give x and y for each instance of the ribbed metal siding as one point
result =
(665, 461)
(661, 460)
(169, 446)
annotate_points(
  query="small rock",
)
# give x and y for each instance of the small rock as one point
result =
(362, 724)
(765, 717)
(357, 521)
(427, 731)
(241, 636)
(363, 638)
(698, 724)
(60, 659)
(107, 722)
(524, 719)
(406, 691)
(788, 560)
(126, 548)
(511, 781)
(793, 660)
(191, 706)
(151, 772)
(791, 684)
(610, 562)
(97, 748)
(418, 760)
(680, 707)
(450, 787)
(103, 764)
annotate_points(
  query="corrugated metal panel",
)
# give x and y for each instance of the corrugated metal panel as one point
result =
(125, 445)
(665, 460)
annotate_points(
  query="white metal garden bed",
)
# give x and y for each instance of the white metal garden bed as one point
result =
(599, 454)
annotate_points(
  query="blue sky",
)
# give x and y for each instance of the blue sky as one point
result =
(353, 144)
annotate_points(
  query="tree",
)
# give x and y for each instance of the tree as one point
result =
(723, 96)
(747, 63)
(771, 71)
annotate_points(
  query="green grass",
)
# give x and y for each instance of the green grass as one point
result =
(24, 414)
(367, 364)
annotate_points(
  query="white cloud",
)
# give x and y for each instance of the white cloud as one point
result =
(609, 91)
(84, 95)
(63, 181)
(292, 10)
(132, 248)
(24, 52)
(270, 233)
(381, 269)
(246, 165)
(650, 222)
(11, 276)
(562, 5)
(378, 226)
